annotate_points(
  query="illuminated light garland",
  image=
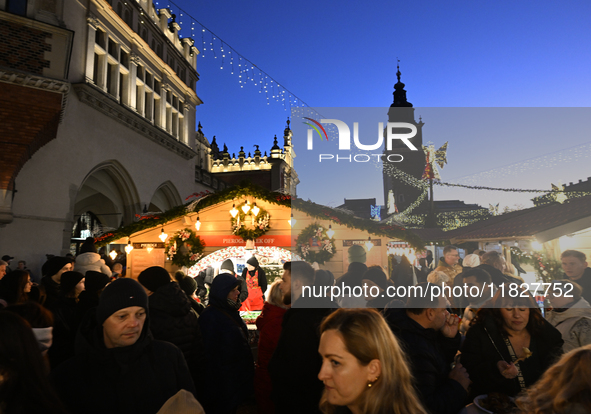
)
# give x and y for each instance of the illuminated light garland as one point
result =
(265, 81)
(546, 269)
(277, 253)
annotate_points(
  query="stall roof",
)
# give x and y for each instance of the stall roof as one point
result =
(206, 199)
(543, 223)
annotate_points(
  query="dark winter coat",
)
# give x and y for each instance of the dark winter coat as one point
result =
(173, 320)
(269, 326)
(295, 364)
(66, 315)
(229, 364)
(430, 355)
(52, 290)
(480, 356)
(136, 379)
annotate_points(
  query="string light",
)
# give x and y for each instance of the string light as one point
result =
(129, 247)
(215, 42)
(330, 231)
(163, 235)
(234, 211)
(255, 209)
(368, 244)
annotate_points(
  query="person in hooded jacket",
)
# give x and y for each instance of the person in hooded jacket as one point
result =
(228, 358)
(172, 318)
(89, 259)
(227, 266)
(256, 283)
(119, 368)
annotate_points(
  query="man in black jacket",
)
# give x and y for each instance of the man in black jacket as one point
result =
(118, 367)
(296, 363)
(172, 319)
(429, 336)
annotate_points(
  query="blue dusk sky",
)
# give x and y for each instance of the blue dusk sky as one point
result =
(454, 57)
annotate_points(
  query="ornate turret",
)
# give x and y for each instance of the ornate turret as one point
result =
(215, 150)
(399, 92)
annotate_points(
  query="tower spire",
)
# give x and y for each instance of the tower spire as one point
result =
(399, 92)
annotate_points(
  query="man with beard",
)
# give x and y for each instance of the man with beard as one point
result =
(119, 367)
(295, 364)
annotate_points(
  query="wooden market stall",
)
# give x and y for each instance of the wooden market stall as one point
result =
(215, 226)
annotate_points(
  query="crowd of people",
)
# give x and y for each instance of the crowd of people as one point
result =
(87, 339)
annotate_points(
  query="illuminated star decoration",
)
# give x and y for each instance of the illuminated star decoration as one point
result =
(432, 158)
(494, 210)
(376, 213)
(559, 196)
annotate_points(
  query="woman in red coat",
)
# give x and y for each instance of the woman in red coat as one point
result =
(269, 326)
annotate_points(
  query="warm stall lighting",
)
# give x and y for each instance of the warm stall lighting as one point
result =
(113, 254)
(292, 221)
(197, 224)
(234, 212)
(163, 235)
(245, 207)
(255, 209)
(129, 247)
(368, 244)
(330, 231)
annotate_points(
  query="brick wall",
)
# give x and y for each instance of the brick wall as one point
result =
(22, 48)
(29, 119)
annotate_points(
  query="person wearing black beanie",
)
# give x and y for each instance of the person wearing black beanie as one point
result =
(119, 367)
(154, 278)
(89, 259)
(67, 317)
(52, 271)
(256, 283)
(172, 319)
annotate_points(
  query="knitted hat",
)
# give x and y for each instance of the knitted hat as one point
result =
(154, 277)
(253, 261)
(95, 281)
(88, 246)
(69, 281)
(188, 285)
(54, 265)
(356, 253)
(121, 294)
(228, 264)
(7, 258)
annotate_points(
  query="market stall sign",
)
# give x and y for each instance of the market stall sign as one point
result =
(227, 241)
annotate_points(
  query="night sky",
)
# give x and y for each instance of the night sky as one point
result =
(459, 54)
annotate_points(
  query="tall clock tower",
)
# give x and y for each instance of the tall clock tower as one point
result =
(413, 162)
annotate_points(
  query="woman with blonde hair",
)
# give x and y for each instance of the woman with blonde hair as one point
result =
(564, 387)
(363, 367)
